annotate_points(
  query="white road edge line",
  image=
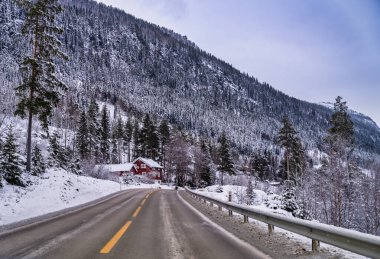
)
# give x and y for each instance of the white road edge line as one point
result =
(243, 243)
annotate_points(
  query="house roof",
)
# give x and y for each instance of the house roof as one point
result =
(150, 162)
(116, 167)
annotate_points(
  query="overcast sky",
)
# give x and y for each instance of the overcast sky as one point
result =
(313, 50)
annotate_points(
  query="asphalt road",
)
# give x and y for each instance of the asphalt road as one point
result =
(136, 224)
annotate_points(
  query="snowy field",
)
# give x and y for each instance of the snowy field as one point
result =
(54, 191)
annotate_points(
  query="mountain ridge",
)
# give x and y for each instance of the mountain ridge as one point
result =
(120, 58)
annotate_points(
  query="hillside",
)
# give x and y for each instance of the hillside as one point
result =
(145, 68)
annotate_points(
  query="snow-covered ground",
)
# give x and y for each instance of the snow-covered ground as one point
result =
(263, 201)
(54, 191)
(269, 203)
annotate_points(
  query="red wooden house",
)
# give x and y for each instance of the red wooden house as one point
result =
(148, 167)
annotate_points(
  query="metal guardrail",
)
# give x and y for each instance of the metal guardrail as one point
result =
(354, 241)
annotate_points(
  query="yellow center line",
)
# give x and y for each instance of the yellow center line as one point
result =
(107, 248)
(136, 212)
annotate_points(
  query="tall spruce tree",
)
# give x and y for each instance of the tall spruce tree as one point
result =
(57, 154)
(40, 89)
(1, 159)
(144, 135)
(164, 131)
(82, 137)
(285, 138)
(127, 136)
(10, 164)
(152, 142)
(93, 129)
(136, 140)
(225, 162)
(119, 137)
(294, 162)
(205, 170)
(38, 164)
(250, 194)
(105, 135)
(342, 127)
(340, 168)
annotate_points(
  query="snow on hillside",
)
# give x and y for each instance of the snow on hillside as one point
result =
(54, 191)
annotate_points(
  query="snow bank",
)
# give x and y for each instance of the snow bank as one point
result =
(56, 190)
(263, 201)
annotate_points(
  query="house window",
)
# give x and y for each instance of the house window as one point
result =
(143, 166)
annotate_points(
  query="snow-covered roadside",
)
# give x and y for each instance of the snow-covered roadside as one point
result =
(55, 190)
(262, 201)
(302, 245)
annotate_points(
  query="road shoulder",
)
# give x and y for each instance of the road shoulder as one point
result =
(278, 245)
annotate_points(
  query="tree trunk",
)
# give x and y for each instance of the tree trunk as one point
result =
(29, 139)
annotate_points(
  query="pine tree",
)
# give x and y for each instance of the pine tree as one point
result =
(136, 140)
(105, 135)
(40, 88)
(226, 165)
(260, 166)
(164, 132)
(119, 137)
(340, 167)
(57, 154)
(75, 167)
(164, 140)
(114, 150)
(342, 125)
(38, 164)
(127, 136)
(1, 160)
(285, 138)
(10, 164)
(93, 129)
(82, 137)
(250, 194)
(205, 174)
(152, 142)
(144, 135)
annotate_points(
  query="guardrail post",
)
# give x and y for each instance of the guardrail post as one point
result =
(245, 219)
(229, 200)
(315, 245)
(270, 229)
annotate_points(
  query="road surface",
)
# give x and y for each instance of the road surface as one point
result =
(142, 223)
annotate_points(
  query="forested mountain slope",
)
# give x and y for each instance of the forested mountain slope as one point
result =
(115, 56)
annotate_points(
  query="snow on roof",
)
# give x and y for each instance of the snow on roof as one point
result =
(115, 167)
(149, 162)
